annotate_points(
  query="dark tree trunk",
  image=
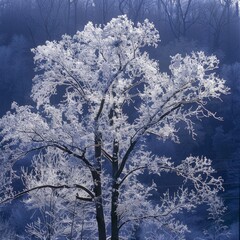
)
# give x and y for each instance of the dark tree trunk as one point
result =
(99, 206)
(115, 194)
(96, 173)
(75, 15)
(68, 17)
(237, 9)
(114, 216)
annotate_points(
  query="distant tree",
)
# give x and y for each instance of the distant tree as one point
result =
(136, 9)
(15, 79)
(6, 232)
(218, 14)
(98, 98)
(75, 12)
(216, 229)
(181, 15)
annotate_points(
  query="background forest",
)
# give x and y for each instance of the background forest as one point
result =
(184, 25)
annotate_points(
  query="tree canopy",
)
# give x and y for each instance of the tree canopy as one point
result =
(98, 96)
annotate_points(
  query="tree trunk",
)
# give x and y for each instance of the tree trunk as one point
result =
(68, 16)
(237, 9)
(96, 173)
(115, 194)
(114, 216)
(75, 15)
(99, 207)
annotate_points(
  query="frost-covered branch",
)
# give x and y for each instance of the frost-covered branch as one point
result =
(20, 194)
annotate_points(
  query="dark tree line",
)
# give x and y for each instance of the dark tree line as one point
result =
(206, 21)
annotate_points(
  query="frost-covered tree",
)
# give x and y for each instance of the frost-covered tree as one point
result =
(6, 231)
(99, 96)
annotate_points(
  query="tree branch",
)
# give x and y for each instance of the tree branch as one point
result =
(85, 189)
(132, 171)
(67, 150)
(124, 160)
(52, 187)
(152, 216)
(107, 155)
